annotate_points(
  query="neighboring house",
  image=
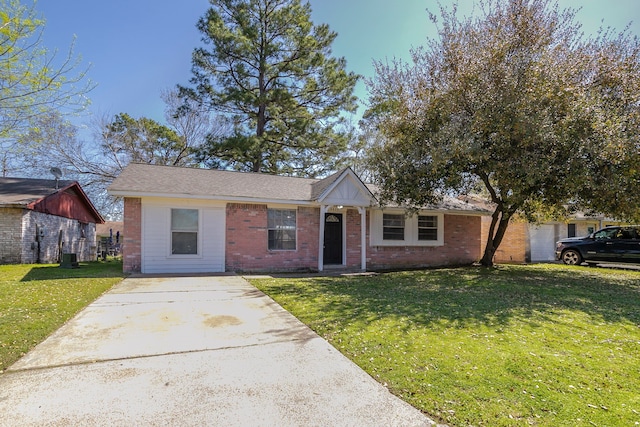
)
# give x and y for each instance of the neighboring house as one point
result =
(186, 220)
(525, 242)
(40, 219)
(543, 237)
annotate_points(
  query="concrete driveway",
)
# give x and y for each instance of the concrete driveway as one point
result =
(192, 351)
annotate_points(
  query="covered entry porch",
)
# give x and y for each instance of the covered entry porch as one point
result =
(339, 227)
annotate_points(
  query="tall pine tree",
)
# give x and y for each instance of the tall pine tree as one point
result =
(268, 70)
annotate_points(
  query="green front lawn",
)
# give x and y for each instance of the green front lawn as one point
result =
(541, 345)
(36, 299)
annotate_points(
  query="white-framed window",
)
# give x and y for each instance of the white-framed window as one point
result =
(393, 228)
(428, 227)
(281, 226)
(184, 231)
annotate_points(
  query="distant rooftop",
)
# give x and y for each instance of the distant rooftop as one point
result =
(22, 191)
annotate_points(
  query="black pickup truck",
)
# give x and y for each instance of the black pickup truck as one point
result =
(619, 244)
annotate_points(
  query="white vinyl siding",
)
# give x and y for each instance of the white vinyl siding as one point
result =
(157, 232)
(393, 228)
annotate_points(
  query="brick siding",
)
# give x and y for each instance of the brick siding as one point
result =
(246, 246)
(513, 248)
(354, 243)
(461, 246)
(132, 239)
(247, 240)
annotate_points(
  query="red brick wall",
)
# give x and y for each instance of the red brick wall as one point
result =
(353, 239)
(461, 246)
(247, 245)
(132, 230)
(246, 242)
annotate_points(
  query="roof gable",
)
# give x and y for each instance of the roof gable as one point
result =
(60, 198)
(346, 189)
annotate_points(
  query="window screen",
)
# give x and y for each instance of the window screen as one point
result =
(427, 227)
(392, 227)
(281, 224)
(184, 231)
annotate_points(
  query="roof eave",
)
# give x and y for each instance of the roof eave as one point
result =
(92, 208)
(447, 211)
(14, 205)
(139, 194)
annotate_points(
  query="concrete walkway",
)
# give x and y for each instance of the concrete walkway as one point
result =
(192, 351)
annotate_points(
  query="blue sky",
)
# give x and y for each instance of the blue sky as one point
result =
(137, 48)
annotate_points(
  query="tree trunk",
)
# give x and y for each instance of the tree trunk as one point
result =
(256, 166)
(494, 237)
(260, 129)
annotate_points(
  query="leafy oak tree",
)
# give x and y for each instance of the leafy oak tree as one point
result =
(268, 70)
(516, 103)
(34, 82)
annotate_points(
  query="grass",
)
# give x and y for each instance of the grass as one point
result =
(540, 345)
(35, 300)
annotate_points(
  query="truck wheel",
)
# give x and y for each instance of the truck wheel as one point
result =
(571, 257)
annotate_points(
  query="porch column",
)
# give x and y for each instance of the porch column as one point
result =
(363, 238)
(323, 210)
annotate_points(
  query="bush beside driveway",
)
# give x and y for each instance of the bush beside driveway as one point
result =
(544, 345)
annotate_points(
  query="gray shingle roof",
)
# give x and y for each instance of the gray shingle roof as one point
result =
(22, 191)
(149, 180)
(164, 180)
(448, 203)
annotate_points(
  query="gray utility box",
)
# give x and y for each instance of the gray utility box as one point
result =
(69, 261)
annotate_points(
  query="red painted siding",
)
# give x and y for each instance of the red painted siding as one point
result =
(70, 203)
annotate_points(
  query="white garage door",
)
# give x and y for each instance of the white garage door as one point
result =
(543, 241)
(157, 256)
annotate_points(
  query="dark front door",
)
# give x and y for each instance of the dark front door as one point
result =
(333, 238)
